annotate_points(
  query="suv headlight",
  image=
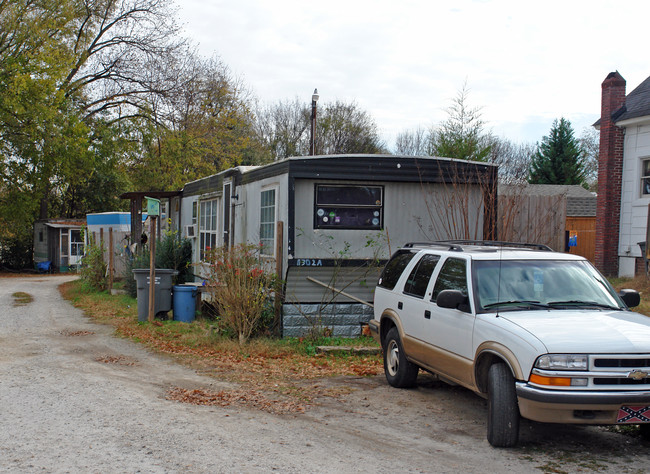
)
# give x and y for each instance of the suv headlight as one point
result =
(562, 362)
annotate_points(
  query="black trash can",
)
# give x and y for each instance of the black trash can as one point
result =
(162, 291)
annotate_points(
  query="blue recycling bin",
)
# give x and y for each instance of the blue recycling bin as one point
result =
(184, 303)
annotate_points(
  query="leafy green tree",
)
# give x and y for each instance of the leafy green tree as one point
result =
(69, 71)
(559, 159)
(201, 128)
(462, 135)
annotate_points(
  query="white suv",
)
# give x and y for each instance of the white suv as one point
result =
(541, 334)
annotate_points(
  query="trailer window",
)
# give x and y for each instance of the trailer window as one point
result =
(348, 207)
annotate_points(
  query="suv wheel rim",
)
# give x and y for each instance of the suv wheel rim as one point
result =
(392, 358)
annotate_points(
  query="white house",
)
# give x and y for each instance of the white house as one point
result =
(623, 176)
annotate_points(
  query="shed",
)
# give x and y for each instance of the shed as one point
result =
(59, 241)
(331, 221)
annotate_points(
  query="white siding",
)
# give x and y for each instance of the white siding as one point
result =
(247, 208)
(407, 210)
(634, 208)
(185, 220)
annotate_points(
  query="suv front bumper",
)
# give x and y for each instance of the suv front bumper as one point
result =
(576, 406)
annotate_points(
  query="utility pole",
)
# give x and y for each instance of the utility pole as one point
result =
(312, 141)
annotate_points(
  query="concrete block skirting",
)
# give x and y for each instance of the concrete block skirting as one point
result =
(344, 319)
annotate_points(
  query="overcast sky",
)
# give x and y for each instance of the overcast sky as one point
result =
(525, 63)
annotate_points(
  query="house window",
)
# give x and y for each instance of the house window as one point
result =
(195, 212)
(267, 222)
(348, 207)
(207, 227)
(645, 177)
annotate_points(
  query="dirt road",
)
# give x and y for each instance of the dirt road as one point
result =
(74, 398)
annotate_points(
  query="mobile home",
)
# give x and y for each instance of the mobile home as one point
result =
(331, 221)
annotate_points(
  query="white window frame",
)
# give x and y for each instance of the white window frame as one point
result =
(208, 225)
(76, 250)
(267, 243)
(195, 212)
(645, 177)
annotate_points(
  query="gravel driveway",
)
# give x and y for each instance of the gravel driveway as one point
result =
(74, 398)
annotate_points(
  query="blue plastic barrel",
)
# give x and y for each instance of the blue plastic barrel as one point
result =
(184, 303)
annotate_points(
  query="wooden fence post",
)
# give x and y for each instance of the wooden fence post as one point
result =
(111, 262)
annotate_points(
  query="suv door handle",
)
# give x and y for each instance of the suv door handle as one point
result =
(427, 314)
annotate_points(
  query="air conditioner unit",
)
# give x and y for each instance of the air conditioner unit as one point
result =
(190, 231)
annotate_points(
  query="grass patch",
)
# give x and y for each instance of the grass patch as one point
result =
(21, 298)
(282, 366)
(640, 284)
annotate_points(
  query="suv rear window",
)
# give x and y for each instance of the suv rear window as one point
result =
(394, 268)
(418, 280)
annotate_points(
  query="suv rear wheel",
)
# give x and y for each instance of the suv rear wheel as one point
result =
(399, 371)
(503, 410)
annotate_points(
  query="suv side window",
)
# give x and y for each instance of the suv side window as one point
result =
(452, 276)
(394, 268)
(418, 280)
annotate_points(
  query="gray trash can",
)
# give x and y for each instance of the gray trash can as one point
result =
(162, 291)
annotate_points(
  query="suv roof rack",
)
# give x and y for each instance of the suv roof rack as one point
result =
(500, 243)
(456, 245)
(449, 245)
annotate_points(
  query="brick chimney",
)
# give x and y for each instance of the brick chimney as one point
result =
(610, 168)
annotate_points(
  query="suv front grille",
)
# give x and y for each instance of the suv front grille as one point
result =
(620, 381)
(627, 363)
(623, 371)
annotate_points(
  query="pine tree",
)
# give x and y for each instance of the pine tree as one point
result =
(559, 159)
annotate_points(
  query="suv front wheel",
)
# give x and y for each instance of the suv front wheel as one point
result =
(400, 372)
(503, 409)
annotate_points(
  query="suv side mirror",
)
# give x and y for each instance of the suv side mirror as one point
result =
(630, 297)
(453, 299)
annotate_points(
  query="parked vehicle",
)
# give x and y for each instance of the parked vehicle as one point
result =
(540, 334)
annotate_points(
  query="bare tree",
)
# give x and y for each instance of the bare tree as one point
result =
(412, 142)
(341, 128)
(282, 128)
(122, 52)
(590, 143)
(513, 160)
(346, 128)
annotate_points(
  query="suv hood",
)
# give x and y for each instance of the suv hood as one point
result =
(585, 331)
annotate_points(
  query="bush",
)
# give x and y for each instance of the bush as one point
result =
(240, 287)
(93, 268)
(16, 253)
(172, 252)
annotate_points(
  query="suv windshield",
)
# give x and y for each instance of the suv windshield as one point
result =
(509, 285)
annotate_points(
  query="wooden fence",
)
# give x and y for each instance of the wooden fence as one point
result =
(534, 219)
